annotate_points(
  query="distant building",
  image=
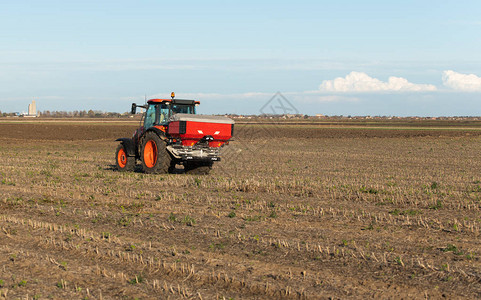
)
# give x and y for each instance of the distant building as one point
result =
(32, 109)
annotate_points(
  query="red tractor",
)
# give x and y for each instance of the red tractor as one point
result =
(172, 134)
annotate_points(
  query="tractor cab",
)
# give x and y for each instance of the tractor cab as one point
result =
(159, 111)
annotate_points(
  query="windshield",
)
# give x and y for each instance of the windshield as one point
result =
(183, 109)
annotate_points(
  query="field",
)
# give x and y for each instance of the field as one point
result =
(293, 211)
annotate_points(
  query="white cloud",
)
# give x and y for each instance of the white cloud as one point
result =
(462, 82)
(361, 82)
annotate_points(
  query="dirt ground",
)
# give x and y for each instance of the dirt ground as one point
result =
(292, 211)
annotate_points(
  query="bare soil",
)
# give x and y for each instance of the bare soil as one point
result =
(79, 131)
(291, 212)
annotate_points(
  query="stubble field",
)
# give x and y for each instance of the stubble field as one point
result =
(293, 211)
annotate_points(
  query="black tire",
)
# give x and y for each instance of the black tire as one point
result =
(154, 155)
(198, 168)
(123, 163)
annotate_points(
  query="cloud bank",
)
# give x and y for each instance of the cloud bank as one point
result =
(330, 91)
(361, 82)
(462, 82)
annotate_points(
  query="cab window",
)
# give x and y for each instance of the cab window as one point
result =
(150, 116)
(157, 114)
(183, 109)
(163, 114)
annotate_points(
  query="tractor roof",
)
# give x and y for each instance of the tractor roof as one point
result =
(174, 101)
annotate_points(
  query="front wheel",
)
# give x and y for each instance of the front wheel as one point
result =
(155, 157)
(123, 162)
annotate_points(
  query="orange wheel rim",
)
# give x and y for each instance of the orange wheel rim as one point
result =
(150, 154)
(122, 158)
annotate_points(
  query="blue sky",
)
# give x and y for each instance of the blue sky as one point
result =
(330, 57)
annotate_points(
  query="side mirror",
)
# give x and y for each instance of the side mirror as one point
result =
(134, 109)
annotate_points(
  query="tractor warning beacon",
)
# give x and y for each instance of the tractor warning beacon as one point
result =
(171, 133)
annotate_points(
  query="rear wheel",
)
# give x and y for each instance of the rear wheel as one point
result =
(198, 168)
(155, 158)
(123, 162)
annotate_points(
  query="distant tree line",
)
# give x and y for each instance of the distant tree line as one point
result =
(71, 114)
(5, 114)
(80, 114)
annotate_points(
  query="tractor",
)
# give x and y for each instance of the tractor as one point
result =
(170, 134)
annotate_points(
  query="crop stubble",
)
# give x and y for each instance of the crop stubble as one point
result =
(292, 212)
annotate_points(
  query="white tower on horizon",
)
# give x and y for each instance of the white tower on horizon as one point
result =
(32, 108)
